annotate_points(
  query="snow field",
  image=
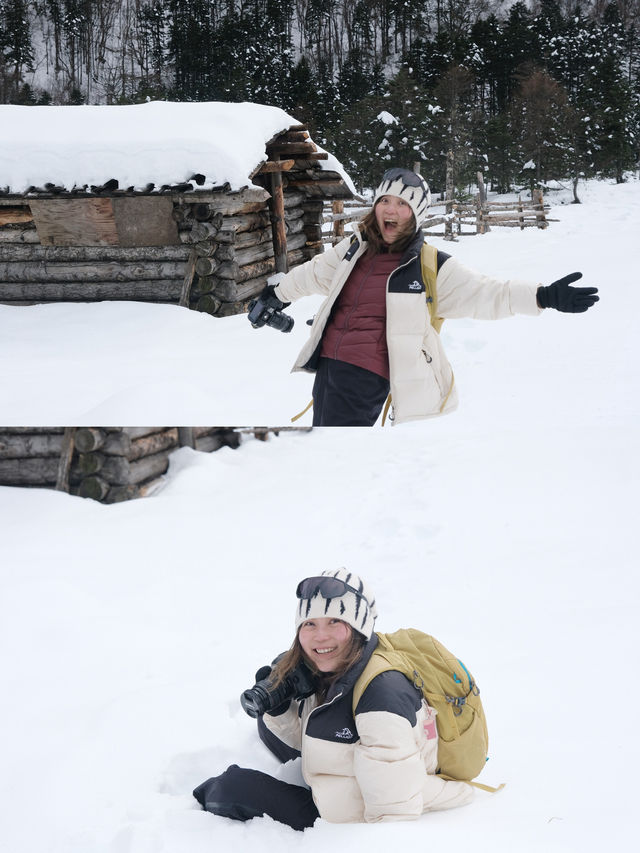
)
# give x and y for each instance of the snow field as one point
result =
(506, 529)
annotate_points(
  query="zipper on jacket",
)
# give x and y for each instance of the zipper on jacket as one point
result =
(306, 726)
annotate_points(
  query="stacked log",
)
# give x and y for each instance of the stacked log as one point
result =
(233, 256)
(108, 464)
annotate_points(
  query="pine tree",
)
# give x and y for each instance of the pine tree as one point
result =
(152, 27)
(541, 121)
(16, 49)
(607, 102)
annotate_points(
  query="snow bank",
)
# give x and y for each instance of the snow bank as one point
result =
(129, 631)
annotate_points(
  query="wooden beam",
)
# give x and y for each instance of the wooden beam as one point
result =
(275, 166)
(189, 275)
(89, 254)
(291, 149)
(87, 272)
(278, 223)
(27, 292)
(64, 465)
(186, 437)
(293, 136)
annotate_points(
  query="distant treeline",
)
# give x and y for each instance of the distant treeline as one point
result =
(538, 91)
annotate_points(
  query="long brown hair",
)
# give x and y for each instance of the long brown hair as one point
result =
(375, 243)
(295, 656)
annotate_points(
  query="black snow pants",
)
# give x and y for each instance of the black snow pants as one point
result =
(242, 794)
(347, 395)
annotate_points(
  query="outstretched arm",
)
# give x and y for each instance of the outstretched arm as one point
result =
(463, 292)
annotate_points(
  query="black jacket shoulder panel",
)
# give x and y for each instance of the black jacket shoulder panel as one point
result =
(391, 691)
(407, 278)
(442, 257)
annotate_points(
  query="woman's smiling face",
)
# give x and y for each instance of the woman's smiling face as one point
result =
(324, 642)
(392, 214)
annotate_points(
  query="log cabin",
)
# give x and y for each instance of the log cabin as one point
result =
(194, 204)
(108, 464)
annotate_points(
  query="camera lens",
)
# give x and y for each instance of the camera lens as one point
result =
(280, 321)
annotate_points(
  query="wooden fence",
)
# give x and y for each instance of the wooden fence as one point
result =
(477, 216)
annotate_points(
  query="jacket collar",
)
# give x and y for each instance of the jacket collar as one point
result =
(414, 247)
(344, 684)
(412, 250)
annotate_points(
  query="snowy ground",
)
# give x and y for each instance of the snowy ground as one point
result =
(506, 529)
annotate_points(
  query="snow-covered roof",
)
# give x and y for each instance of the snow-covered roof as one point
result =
(159, 143)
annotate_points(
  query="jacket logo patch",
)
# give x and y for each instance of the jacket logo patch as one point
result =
(415, 285)
(345, 734)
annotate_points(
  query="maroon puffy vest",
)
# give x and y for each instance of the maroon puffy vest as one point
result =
(357, 329)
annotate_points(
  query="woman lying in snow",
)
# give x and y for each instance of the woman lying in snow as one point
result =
(373, 333)
(377, 763)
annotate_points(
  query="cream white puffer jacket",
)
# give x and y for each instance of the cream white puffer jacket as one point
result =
(376, 765)
(421, 377)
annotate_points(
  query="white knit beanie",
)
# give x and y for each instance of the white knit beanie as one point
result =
(356, 605)
(410, 187)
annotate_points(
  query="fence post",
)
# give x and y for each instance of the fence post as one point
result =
(538, 205)
(337, 207)
(482, 224)
(448, 226)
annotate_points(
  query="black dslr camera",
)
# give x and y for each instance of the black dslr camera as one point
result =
(266, 310)
(264, 697)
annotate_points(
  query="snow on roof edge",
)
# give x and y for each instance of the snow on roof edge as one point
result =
(159, 142)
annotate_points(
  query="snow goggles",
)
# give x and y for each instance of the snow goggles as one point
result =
(325, 586)
(408, 177)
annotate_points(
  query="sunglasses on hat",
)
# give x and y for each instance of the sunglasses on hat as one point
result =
(327, 587)
(404, 175)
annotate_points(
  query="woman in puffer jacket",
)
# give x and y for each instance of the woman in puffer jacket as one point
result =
(375, 764)
(373, 334)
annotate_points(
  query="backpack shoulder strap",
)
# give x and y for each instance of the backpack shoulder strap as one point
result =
(429, 265)
(383, 659)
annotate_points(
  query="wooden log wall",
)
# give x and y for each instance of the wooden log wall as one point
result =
(108, 464)
(226, 236)
(233, 256)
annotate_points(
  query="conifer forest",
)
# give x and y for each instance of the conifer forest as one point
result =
(524, 92)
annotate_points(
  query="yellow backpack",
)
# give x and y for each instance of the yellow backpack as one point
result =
(429, 264)
(448, 686)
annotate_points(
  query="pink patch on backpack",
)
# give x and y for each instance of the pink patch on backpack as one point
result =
(430, 724)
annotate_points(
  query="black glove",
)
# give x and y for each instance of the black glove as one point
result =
(263, 672)
(270, 299)
(303, 680)
(562, 297)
